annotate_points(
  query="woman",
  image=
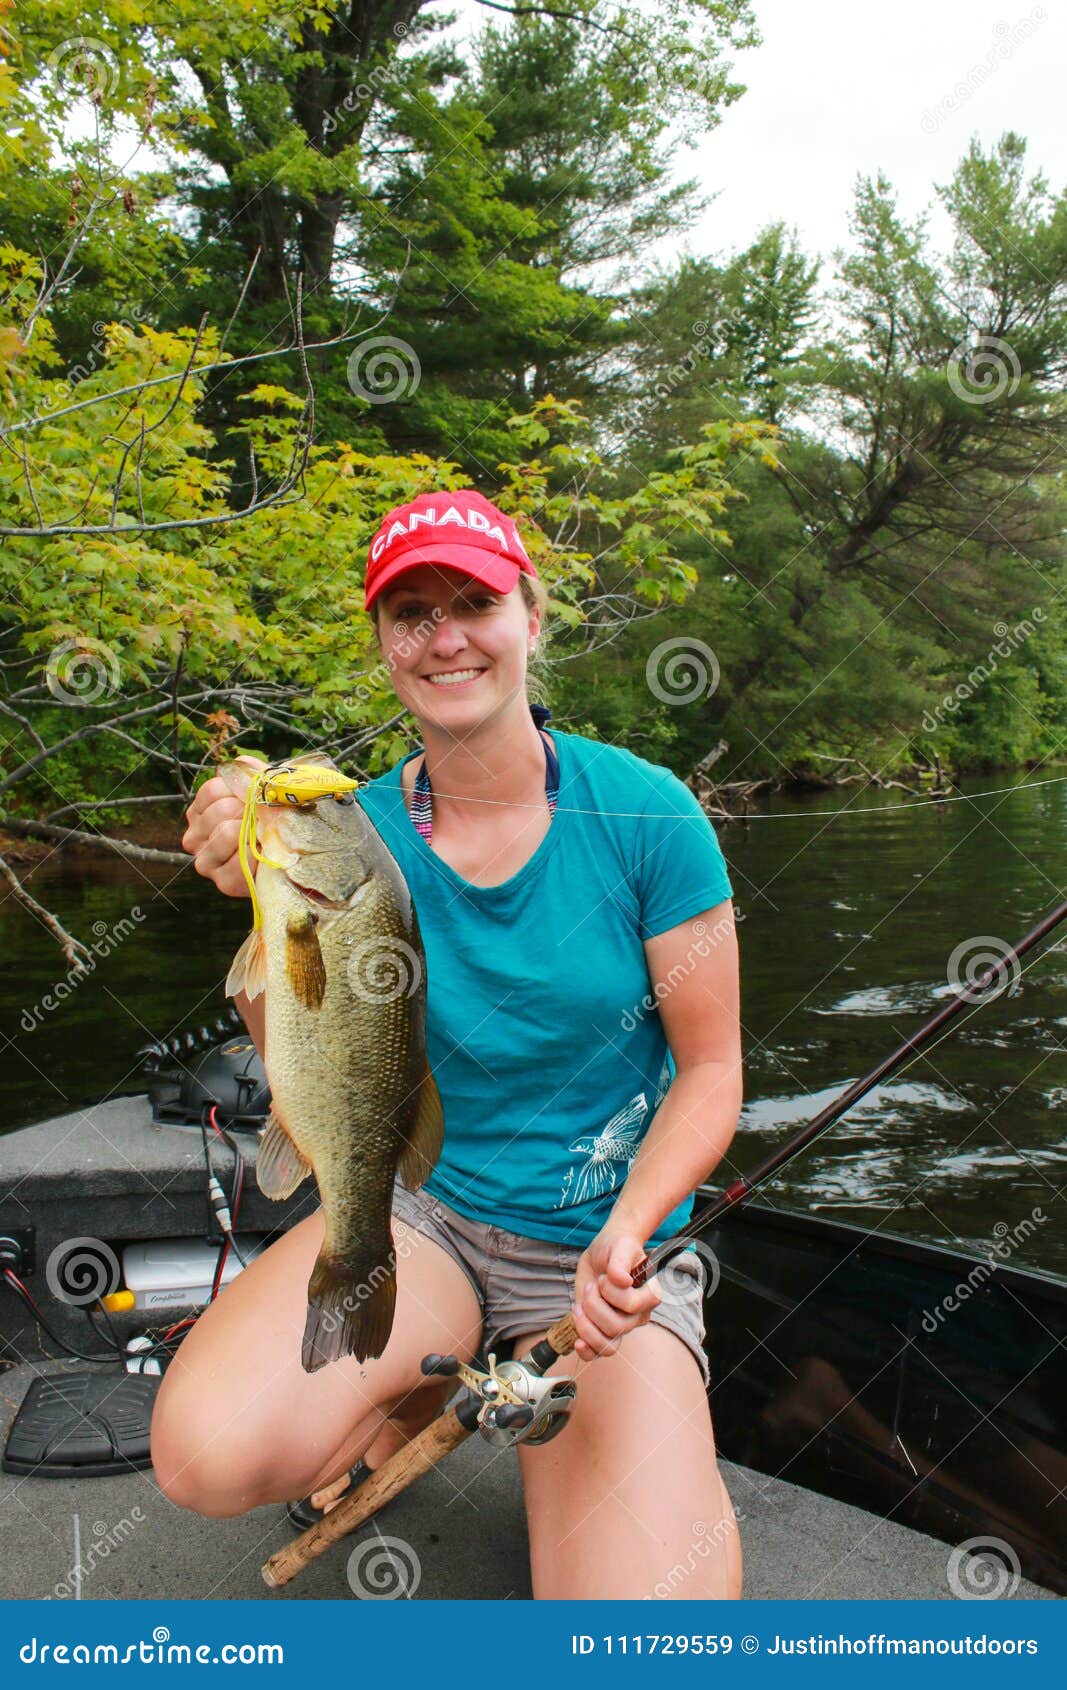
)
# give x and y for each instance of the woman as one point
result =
(582, 979)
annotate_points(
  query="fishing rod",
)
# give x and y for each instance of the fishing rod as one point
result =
(743, 1187)
(513, 1402)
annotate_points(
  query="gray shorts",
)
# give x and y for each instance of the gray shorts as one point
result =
(526, 1284)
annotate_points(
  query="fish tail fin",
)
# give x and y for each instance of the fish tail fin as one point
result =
(350, 1310)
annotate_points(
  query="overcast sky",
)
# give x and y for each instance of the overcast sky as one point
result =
(843, 86)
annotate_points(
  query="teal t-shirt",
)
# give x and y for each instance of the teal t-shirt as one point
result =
(543, 1032)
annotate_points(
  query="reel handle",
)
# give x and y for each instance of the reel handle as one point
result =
(448, 1366)
(513, 1414)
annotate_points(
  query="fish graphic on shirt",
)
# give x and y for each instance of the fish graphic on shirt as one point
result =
(606, 1150)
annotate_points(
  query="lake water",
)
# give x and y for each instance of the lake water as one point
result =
(851, 908)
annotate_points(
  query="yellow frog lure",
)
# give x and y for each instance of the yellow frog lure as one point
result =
(300, 780)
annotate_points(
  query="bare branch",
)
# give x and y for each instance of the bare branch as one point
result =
(99, 841)
(73, 949)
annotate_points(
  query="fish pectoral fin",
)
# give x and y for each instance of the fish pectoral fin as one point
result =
(304, 967)
(280, 1165)
(248, 970)
(419, 1156)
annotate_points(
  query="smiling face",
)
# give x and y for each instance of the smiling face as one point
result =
(456, 649)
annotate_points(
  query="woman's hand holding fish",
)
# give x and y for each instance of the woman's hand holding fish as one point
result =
(607, 1304)
(214, 824)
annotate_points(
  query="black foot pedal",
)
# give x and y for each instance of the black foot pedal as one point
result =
(79, 1424)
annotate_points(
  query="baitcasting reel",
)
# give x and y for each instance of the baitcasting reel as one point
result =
(510, 1404)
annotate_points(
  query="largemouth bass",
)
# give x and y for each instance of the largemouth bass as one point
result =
(340, 957)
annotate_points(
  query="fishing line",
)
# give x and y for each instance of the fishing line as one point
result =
(768, 815)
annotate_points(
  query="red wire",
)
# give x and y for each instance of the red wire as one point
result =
(223, 1253)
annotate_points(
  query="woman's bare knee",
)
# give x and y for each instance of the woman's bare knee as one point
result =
(238, 1423)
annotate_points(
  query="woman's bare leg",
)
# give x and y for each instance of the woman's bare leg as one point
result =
(238, 1423)
(627, 1501)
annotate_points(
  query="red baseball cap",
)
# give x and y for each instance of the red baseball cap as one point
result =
(460, 530)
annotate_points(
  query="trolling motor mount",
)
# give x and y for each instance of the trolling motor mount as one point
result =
(516, 1404)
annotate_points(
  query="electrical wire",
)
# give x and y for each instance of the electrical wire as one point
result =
(27, 1297)
(111, 1336)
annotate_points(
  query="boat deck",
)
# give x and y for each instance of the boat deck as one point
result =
(462, 1529)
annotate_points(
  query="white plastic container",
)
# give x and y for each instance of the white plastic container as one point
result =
(177, 1273)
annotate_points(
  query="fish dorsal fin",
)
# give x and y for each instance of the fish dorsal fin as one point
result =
(419, 1156)
(280, 1166)
(239, 771)
(248, 970)
(322, 757)
(304, 967)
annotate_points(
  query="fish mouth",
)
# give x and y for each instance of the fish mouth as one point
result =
(320, 900)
